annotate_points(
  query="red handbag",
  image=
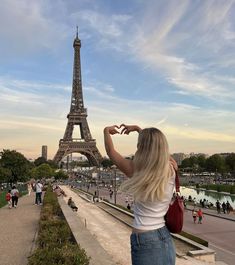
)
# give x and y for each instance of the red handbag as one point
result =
(174, 217)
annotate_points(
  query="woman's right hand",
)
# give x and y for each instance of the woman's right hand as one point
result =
(112, 129)
(129, 128)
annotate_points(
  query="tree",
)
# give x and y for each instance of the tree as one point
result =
(52, 164)
(201, 160)
(40, 160)
(5, 174)
(17, 165)
(42, 171)
(189, 162)
(60, 175)
(107, 163)
(215, 163)
(230, 162)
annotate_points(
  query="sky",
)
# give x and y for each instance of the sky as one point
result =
(165, 64)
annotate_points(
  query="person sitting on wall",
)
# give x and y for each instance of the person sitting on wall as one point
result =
(72, 204)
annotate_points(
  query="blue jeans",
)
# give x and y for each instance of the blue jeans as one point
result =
(153, 247)
(38, 198)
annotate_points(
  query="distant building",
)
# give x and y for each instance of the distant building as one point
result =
(44, 151)
(179, 157)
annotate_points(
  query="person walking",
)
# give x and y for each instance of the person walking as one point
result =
(194, 214)
(151, 182)
(14, 196)
(8, 199)
(29, 187)
(228, 207)
(38, 191)
(200, 215)
(218, 206)
(224, 207)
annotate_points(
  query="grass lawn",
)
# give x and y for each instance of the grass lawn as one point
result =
(3, 201)
(2, 198)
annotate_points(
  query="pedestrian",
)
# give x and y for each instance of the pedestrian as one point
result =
(38, 191)
(128, 207)
(127, 199)
(29, 187)
(14, 196)
(218, 206)
(151, 182)
(110, 194)
(224, 207)
(194, 214)
(200, 215)
(8, 199)
(228, 207)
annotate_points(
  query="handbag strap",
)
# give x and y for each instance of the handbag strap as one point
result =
(177, 181)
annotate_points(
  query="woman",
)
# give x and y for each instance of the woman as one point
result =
(14, 196)
(152, 178)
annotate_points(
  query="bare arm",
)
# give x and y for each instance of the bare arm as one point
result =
(125, 165)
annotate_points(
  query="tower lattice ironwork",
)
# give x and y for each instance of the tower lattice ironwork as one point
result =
(77, 116)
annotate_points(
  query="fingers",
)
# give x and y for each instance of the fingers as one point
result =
(124, 130)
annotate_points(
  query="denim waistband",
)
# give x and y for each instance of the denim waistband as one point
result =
(161, 233)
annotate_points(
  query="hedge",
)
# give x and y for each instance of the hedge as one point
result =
(55, 243)
(219, 187)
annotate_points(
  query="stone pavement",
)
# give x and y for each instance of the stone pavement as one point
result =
(18, 228)
(112, 235)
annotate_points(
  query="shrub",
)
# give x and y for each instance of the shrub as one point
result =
(55, 242)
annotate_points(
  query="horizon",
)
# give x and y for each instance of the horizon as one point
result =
(153, 64)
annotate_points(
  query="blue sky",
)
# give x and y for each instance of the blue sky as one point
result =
(168, 64)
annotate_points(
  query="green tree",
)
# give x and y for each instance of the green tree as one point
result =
(42, 171)
(52, 164)
(5, 174)
(106, 163)
(17, 165)
(189, 162)
(60, 175)
(201, 160)
(40, 160)
(230, 162)
(215, 163)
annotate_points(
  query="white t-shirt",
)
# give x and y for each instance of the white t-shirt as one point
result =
(14, 191)
(150, 215)
(39, 187)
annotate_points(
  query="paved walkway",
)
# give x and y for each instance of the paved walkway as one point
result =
(18, 227)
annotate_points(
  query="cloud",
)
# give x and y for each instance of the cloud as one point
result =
(171, 41)
(28, 26)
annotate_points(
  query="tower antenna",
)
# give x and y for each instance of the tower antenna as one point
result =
(77, 32)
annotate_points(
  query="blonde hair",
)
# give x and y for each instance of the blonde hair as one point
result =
(151, 167)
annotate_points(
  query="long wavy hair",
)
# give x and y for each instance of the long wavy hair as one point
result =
(152, 168)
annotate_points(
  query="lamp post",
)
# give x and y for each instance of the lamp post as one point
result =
(115, 183)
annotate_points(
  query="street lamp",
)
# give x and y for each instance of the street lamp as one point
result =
(115, 183)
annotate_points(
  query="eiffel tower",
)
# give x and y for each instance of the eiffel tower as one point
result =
(84, 145)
